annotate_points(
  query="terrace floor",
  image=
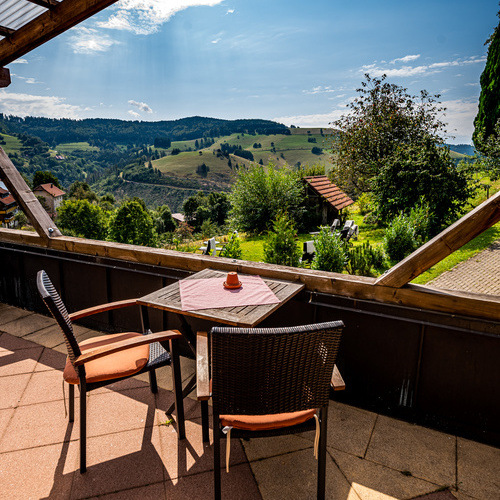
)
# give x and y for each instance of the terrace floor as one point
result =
(133, 454)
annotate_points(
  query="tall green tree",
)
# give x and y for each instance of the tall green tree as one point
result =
(281, 246)
(488, 115)
(80, 190)
(45, 177)
(261, 193)
(132, 224)
(82, 218)
(381, 119)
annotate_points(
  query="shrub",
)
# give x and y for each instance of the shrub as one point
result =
(330, 252)
(233, 250)
(281, 246)
(365, 203)
(363, 259)
(400, 239)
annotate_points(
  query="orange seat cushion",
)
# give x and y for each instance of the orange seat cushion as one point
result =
(119, 364)
(266, 422)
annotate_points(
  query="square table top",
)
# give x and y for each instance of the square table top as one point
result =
(169, 299)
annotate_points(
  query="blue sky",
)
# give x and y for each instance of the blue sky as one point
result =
(293, 61)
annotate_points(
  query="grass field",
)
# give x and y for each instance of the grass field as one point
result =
(12, 144)
(69, 147)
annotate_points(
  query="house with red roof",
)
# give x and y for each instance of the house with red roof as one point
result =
(325, 201)
(52, 195)
(8, 206)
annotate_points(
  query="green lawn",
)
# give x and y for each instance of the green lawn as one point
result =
(69, 147)
(12, 144)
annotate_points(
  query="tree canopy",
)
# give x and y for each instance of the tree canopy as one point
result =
(83, 219)
(261, 193)
(488, 113)
(45, 177)
(132, 224)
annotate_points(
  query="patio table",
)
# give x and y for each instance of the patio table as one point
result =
(169, 299)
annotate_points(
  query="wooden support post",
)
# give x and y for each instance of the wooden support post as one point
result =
(37, 215)
(458, 234)
(4, 77)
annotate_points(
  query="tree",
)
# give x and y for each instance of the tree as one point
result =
(260, 193)
(164, 223)
(382, 118)
(45, 177)
(488, 113)
(425, 173)
(83, 219)
(281, 244)
(330, 253)
(132, 224)
(80, 190)
(201, 208)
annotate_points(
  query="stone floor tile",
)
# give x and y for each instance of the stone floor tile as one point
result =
(20, 361)
(39, 425)
(48, 337)
(45, 472)
(373, 481)
(425, 453)
(51, 360)
(266, 447)
(478, 468)
(192, 407)
(191, 456)
(12, 388)
(5, 416)
(12, 343)
(120, 461)
(8, 317)
(459, 495)
(150, 492)
(238, 484)
(294, 475)
(164, 375)
(349, 428)
(437, 495)
(28, 324)
(120, 411)
(43, 387)
(122, 385)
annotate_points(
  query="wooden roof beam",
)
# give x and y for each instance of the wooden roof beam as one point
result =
(4, 77)
(17, 186)
(45, 3)
(4, 31)
(46, 26)
(458, 234)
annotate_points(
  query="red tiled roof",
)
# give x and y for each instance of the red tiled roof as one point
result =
(322, 185)
(8, 200)
(50, 188)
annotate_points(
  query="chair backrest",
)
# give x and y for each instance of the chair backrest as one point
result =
(59, 312)
(335, 225)
(273, 370)
(308, 247)
(210, 250)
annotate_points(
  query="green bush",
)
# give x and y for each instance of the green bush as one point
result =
(281, 245)
(400, 239)
(365, 203)
(330, 254)
(233, 250)
(364, 259)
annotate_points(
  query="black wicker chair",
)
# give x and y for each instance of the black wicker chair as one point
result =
(103, 360)
(269, 381)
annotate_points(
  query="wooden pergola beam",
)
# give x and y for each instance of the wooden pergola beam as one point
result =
(46, 26)
(4, 77)
(17, 186)
(4, 31)
(45, 3)
(458, 234)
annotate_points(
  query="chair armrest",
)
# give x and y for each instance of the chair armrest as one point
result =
(122, 345)
(202, 369)
(102, 308)
(337, 381)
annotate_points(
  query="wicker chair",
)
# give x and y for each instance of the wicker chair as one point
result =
(269, 381)
(103, 360)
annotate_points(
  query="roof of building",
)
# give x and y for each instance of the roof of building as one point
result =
(2, 190)
(322, 185)
(178, 217)
(7, 200)
(51, 189)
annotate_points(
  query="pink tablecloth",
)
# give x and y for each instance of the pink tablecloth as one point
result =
(210, 293)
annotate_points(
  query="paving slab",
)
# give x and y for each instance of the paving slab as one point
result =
(12, 388)
(294, 475)
(478, 469)
(17, 362)
(45, 472)
(8, 317)
(27, 324)
(372, 481)
(425, 453)
(10, 342)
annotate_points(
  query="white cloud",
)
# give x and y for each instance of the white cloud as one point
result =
(407, 71)
(319, 90)
(141, 105)
(27, 79)
(230, 11)
(19, 61)
(134, 114)
(90, 41)
(217, 40)
(459, 116)
(37, 105)
(144, 17)
(405, 59)
(315, 120)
